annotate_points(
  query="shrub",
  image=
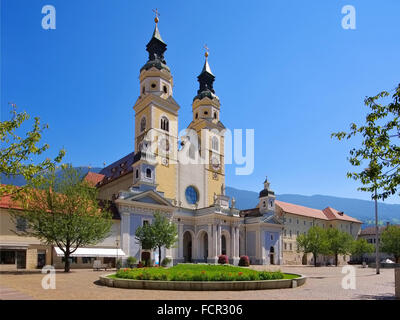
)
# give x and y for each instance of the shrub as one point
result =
(223, 259)
(131, 261)
(165, 262)
(244, 261)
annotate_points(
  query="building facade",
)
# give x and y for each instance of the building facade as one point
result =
(183, 178)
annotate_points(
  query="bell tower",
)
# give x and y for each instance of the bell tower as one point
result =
(156, 117)
(210, 130)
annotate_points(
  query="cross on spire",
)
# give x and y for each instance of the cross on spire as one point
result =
(207, 50)
(157, 15)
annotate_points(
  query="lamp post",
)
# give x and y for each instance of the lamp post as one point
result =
(117, 246)
(376, 226)
(377, 234)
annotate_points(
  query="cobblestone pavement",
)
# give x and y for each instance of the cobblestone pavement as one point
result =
(322, 283)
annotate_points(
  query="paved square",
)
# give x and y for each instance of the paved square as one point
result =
(322, 283)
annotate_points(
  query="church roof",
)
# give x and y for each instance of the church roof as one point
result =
(117, 169)
(93, 178)
(206, 68)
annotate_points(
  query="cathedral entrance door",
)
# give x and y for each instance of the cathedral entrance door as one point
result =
(271, 255)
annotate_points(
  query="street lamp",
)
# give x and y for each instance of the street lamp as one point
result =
(117, 247)
(376, 228)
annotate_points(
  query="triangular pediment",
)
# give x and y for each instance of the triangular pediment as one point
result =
(150, 197)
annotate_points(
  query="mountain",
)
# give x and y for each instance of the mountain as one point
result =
(20, 181)
(362, 210)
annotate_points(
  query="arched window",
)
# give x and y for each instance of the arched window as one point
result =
(148, 173)
(143, 124)
(137, 173)
(214, 143)
(215, 115)
(164, 124)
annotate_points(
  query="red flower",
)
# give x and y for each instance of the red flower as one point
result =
(240, 273)
(125, 270)
(203, 272)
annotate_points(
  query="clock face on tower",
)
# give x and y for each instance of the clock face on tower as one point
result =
(215, 162)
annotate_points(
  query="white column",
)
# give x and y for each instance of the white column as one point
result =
(210, 242)
(237, 242)
(258, 245)
(215, 241)
(180, 240)
(233, 243)
(219, 242)
(125, 233)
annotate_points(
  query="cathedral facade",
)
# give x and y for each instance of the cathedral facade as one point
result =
(184, 177)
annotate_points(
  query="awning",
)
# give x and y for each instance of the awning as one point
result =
(94, 252)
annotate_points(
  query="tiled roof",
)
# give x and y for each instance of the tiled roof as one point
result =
(94, 178)
(371, 230)
(117, 169)
(326, 214)
(300, 210)
(333, 214)
(7, 203)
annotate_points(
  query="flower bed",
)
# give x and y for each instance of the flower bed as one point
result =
(200, 272)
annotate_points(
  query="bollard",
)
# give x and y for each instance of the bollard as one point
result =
(397, 282)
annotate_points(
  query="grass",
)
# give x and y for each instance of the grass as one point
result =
(199, 272)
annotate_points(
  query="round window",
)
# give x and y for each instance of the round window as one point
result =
(192, 195)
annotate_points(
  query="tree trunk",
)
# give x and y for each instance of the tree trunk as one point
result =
(159, 256)
(336, 259)
(315, 259)
(67, 263)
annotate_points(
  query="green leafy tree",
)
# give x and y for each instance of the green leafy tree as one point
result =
(17, 153)
(161, 233)
(391, 241)
(379, 147)
(338, 242)
(314, 241)
(64, 212)
(146, 237)
(360, 247)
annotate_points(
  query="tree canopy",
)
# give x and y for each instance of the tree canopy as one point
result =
(17, 153)
(380, 146)
(314, 241)
(338, 242)
(390, 241)
(64, 211)
(161, 233)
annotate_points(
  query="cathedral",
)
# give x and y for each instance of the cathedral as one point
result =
(184, 177)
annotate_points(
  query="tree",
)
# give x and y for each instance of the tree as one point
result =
(315, 242)
(338, 242)
(360, 247)
(161, 233)
(379, 146)
(380, 149)
(64, 212)
(16, 153)
(391, 241)
(145, 236)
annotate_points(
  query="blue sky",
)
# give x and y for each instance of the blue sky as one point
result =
(286, 69)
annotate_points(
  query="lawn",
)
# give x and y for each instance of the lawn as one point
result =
(200, 272)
